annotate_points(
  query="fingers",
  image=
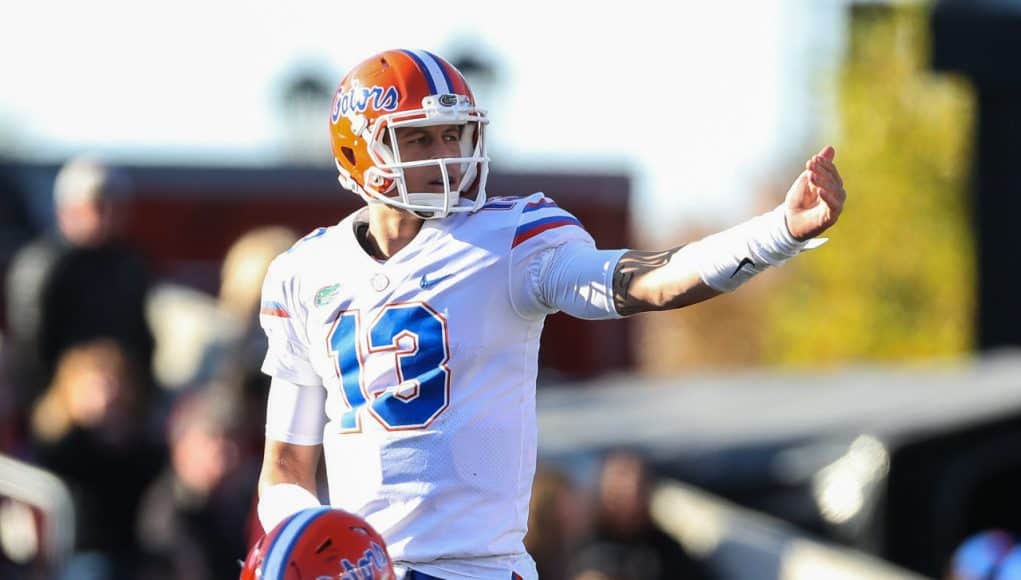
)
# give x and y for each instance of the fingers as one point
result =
(833, 200)
(828, 153)
(827, 187)
(825, 181)
(823, 165)
(826, 166)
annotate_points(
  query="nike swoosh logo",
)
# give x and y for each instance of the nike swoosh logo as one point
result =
(426, 283)
(741, 264)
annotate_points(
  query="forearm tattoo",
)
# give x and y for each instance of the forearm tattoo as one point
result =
(630, 266)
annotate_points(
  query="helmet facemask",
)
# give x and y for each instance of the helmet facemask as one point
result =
(385, 182)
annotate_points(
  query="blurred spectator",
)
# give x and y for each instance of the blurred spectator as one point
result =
(191, 334)
(193, 518)
(15, 225)
(625, 543)
(201, 338)
(243, 272)
(15, 231)
(77, 283)
(556, 521)
(244, 269)
(89, 429)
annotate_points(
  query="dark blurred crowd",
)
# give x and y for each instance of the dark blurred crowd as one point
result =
(145, 399)
(600, 527)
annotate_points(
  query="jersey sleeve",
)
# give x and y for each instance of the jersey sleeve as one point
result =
(281, 315)
(555, 264)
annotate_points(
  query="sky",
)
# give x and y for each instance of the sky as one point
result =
(701, 103)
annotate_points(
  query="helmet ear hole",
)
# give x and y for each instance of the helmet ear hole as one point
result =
(348, 154)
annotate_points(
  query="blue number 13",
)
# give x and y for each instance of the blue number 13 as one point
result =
(415, 336)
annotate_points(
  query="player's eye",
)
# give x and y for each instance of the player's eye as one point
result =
(453, 134)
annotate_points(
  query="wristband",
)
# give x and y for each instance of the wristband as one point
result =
(730, 258)
(281, 500)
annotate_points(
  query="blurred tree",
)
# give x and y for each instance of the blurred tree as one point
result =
(898, 280)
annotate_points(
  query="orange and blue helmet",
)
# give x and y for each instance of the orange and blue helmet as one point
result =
(406, 88)
(319, 542)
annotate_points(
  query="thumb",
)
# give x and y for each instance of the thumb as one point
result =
(828, 152)
(797, 191)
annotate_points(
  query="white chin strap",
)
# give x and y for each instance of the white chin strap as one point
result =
(441, 202)
(427, 205)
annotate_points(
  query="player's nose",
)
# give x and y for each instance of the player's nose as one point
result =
(445, 149)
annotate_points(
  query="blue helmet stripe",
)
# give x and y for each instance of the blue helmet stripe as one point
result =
(279, 553)
(432, 70)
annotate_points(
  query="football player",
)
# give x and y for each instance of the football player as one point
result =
(403, 341)
(319, 543)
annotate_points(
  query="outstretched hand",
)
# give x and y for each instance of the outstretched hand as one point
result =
(817, 197)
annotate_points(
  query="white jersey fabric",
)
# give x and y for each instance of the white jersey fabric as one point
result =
(428, 362)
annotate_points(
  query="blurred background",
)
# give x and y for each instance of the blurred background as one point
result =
(853, 414)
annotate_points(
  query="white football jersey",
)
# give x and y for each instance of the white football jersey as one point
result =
(429, 367)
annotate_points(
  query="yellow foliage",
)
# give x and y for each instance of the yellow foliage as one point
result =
(897, 281)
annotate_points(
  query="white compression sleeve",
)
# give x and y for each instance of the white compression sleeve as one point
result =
(578, 279)
(295, 413)
(730, 258)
